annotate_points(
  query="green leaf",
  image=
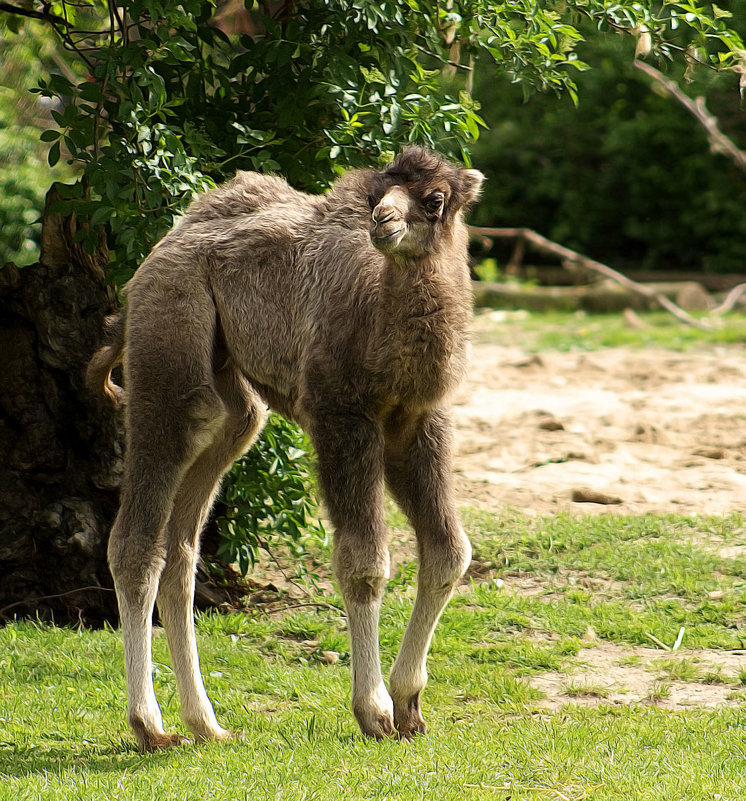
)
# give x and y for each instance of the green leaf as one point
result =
(372, 75)
(54, 154)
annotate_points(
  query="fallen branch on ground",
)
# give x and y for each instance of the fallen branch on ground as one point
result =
(571, 260)
(730, 300)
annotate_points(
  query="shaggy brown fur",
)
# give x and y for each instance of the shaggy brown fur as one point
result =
(346, 312)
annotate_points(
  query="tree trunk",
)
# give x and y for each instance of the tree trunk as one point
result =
(60, 448)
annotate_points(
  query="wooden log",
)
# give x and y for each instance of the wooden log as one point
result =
(604, 296)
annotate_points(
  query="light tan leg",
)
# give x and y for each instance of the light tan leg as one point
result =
(350, 454)
(192, 505)
(418, 473)
(172, 414)
(138, 551)
(137, 558)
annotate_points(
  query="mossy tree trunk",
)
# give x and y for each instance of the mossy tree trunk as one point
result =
(60, 448)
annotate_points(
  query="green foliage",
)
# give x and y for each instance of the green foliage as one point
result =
(268, 496)
(22, 187)
(628, 176)
(171, 103)
(24, 174)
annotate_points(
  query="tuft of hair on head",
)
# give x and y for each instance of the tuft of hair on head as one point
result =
(415, 163)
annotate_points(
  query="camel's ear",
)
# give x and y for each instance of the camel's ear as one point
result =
(471, 186)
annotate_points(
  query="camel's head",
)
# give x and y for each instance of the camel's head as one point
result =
(415, 199)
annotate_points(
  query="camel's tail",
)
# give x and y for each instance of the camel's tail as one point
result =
(104, 360)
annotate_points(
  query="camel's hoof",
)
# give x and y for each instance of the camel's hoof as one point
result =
(158, 741)
(408, 718)
(375, 713)
(220, 736)
(378, 726)
(383, 727)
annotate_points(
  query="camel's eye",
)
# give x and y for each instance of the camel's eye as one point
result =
(434, 203)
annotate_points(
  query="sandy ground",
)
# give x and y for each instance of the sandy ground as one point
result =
(615, 431)
(633, 430)
(650, 431)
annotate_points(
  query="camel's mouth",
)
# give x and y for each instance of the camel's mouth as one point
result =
(388, 241)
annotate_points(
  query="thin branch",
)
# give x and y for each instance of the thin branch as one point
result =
(571, 258)
(35, 601)
(719, 142)
(45, 15)
(445, 61)
(307, 605)
(730, 300)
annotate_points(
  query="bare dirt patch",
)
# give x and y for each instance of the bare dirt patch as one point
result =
(636, 431)
(653, 431)
(621, 674)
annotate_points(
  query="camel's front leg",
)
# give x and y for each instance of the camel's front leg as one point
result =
(418, 473)
(350, 454)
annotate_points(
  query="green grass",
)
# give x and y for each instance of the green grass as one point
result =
(62, 693)
(578, 331)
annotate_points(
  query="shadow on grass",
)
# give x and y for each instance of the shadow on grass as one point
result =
(17, 762)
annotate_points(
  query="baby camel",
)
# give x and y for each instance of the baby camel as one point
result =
(347, 313)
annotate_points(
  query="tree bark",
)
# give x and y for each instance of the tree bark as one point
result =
(60, 448)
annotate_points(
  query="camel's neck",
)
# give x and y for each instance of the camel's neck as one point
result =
(423, 319)
(414, 288)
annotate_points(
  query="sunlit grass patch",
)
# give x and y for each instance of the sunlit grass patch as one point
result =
(578, 331)
(62, 693)
(659, 575)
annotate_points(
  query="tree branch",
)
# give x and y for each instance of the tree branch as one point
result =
(36, 600)
(45, 15)
(730, 300)
(571, 260)
(719, 142)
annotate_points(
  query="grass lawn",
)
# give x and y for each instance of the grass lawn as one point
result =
(492, 734)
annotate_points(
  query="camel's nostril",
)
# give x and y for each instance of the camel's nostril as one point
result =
(381, 216)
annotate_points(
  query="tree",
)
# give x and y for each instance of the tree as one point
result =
(158, 101)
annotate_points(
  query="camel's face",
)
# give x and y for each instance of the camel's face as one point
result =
(403, 222)
(415, 199)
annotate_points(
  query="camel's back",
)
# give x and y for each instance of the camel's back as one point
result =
(246, 193)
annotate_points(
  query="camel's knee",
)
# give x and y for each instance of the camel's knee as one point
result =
(444, 563)
(362, 572)
(135, 561)
(177, 579)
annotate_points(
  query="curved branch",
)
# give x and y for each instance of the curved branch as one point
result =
(571, 259)
(719, 142)
(45, 15)
(730, 300)
(37, 599)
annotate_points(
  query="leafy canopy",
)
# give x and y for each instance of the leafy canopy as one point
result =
(173, 98)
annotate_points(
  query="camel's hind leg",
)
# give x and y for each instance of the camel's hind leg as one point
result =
(417, 471)
(173, 413)
(193, 501)
(160, 452)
